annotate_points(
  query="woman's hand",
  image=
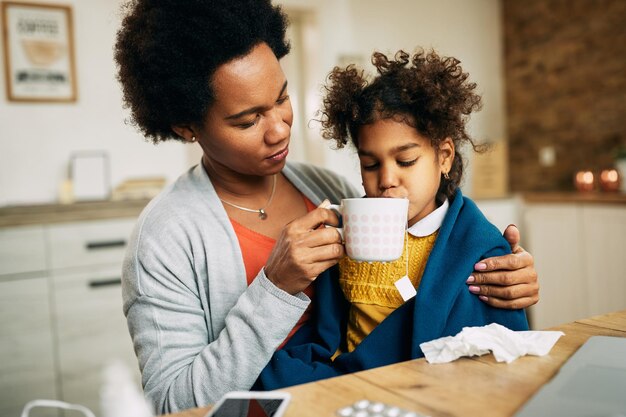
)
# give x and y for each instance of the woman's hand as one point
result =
(304, 250)
(508, 281)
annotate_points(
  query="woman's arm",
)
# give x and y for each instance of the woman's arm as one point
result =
(198, 330)
(188, 356)
(508, 281)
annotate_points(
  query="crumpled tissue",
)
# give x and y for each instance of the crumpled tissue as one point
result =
(505, 344)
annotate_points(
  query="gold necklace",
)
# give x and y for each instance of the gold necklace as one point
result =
(261, 211)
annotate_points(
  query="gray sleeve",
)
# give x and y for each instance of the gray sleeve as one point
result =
(183, 364)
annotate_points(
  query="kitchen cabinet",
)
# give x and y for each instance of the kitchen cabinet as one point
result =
(604, 231)
(91, 331)
(27, 368)
(22, 250)
(61, 312)
(87, 244)
(580, 256)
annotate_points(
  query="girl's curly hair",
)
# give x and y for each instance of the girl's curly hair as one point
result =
(168, 50)
(428, 92)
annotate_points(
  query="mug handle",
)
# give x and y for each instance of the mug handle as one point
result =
(339, 209)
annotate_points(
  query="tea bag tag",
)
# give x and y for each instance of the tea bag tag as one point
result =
(405, 287)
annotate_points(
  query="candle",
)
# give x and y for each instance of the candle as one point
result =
(609, 180)
(584, 180)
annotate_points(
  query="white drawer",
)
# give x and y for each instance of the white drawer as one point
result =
(26, 346)
(89, 243)
(22, 249)
(91, 331)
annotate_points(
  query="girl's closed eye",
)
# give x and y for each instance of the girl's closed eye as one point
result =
(282, 99)
(407, 163)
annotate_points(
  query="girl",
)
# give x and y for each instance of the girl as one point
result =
(406, 125)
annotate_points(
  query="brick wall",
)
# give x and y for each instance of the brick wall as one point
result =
(565, 63)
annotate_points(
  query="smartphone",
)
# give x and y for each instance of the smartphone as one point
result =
(251, 404)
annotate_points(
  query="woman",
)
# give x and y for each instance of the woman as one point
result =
(219, 269)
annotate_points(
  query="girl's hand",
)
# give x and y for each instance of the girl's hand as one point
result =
(304, 250)
(508, 281)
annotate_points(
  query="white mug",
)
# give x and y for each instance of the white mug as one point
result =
(373, 228)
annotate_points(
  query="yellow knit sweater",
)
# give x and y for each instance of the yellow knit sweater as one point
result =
(370, 289)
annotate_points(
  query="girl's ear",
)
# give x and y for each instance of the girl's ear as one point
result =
(446, 155)
(186, 132)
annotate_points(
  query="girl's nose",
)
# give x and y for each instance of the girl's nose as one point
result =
(279, 126)
(387, 179)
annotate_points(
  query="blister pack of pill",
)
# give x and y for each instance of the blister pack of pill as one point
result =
(366, 408)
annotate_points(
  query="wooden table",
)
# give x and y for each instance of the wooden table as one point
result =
(477, 386)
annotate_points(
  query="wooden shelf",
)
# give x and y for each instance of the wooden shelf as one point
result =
(574, 197)
(63, 213)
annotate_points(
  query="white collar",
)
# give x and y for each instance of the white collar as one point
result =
(431, 223)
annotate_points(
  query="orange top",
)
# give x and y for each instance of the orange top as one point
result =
(256, 249)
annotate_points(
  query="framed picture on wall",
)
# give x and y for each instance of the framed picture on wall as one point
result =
(38, 52)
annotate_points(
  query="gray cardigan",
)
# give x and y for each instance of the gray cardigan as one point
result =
(198, 329)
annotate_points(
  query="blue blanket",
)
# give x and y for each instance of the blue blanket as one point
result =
(442, 307)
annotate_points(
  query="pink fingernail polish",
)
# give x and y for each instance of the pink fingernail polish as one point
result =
(474, 289)
(480, 266)
(470, 279)
(482, 297)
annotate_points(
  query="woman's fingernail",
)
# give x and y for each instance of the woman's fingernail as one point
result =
(483, 297)
(324, 204)
(470, 279)
(480, 266)
(474, 289)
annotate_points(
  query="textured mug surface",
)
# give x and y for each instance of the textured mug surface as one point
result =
(374, 228)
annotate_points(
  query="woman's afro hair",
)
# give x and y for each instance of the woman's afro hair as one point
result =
(428, 92)
(168, 50)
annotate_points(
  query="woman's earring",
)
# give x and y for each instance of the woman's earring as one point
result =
(446, 176)
(193, 139)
